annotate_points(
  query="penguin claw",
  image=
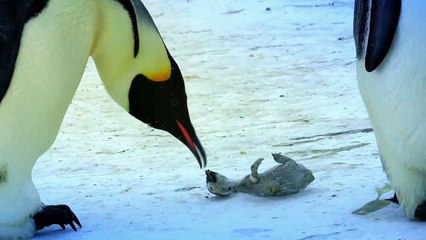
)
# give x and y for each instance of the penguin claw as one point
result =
(56, 214)
(393, 199)
(420, 212)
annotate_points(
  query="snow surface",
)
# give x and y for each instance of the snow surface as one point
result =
(261, 77)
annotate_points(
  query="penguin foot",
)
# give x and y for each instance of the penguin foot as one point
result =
(393, 199)
(56, 214)
(420, 213)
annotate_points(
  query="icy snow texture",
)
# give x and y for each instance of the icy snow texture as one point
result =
(257, 80)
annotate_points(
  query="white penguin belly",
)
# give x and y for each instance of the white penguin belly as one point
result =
(50, 64)
(395, 97)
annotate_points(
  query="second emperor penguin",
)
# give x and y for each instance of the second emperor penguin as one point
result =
(390, 38)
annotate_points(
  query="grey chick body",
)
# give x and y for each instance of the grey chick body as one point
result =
(288, 177)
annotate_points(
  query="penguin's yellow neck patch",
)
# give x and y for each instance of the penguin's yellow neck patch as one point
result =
(153, 61)
(160, 76)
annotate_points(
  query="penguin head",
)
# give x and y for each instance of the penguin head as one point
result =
(218, 184)
(139, 73)
(163, 105)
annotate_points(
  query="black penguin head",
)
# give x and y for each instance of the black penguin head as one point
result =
(163, 105)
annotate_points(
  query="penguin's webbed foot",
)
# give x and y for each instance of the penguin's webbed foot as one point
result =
(56, 214)
(420, 213)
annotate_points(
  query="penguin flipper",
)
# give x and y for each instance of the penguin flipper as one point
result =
(13, 16)
(11, 27)
(360, 21)
(384, 17)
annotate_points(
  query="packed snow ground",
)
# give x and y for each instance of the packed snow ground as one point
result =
(261, 77)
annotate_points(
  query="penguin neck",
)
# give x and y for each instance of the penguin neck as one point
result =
(234, 184)
(126, 46)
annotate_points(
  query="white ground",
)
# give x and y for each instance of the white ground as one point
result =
(256, 80)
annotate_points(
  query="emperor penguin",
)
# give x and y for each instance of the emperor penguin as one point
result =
(44, 48)
(390, 40)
